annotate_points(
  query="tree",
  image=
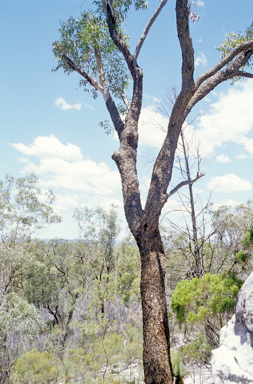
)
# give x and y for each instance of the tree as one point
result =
(95, 46)
(22, 215)
(207, 302)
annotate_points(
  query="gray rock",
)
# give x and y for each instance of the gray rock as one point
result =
(232, 362)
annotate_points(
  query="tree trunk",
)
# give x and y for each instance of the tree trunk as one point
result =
(156, 340)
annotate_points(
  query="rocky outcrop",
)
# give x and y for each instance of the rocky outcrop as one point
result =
(232, 362)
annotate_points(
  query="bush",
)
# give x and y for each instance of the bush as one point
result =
(35, 367)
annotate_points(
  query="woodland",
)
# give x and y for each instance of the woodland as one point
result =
(151, 305)
(70, 311)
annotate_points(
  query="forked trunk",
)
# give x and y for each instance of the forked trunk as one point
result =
(156, 340)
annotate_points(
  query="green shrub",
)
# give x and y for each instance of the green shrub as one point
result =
(200, 298)
(35, 367)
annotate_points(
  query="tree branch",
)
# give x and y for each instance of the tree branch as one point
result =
(146, 30)
(125, 100)
(101, 75)
(244, 74)
(90, 79)
(115, 36)
(115, 116)
(228, 73)
(183, 32)
(229, 57)
(183, 183)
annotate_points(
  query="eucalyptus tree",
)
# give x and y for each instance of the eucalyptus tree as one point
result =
(96, 47)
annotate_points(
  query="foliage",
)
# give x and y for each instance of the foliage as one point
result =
(204, 305)
(247, 240)
(178, 368)
(22, 214)
(225, 248)
(35, 367)
(198, 350)
(199, 298)
(85, 41)
(129, 272)
(233, 40)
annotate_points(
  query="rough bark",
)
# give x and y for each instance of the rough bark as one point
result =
(156, 338)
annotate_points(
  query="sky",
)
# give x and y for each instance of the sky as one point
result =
(50, 127)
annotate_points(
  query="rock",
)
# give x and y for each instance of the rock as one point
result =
(232, 362)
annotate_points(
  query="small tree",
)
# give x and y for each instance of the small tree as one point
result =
(95, 46)
(208, 303)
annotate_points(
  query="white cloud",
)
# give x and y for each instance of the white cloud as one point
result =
(152, 127)
(84, 175)
(23, 159)
(88, 106)
(223, 159)
(200, 3)
(230, 119)
(242, 157)
(106, 203)
(64, 106)
(64, 202)
(229, 183)
(196, 190)
(49, 147)
(63, 166)
(201, 59)
(248, 144)
(154, 99)
(229, 202)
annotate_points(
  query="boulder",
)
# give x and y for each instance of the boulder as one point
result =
(232, 362)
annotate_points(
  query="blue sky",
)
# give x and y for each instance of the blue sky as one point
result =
(49, 126)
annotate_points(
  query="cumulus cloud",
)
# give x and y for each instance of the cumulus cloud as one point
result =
(49, 147)
(63, 166)
(64, 106)
(223, 159)
(201, 59)
(84, 175)
(229, 183)
(229, 119)
(200, 3)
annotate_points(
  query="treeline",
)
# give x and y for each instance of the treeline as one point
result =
(70, 311)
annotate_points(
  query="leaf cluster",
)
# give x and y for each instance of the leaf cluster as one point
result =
(195, 300)
(234, 39)
(86, 40)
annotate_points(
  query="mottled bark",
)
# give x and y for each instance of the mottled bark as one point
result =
(156, 338)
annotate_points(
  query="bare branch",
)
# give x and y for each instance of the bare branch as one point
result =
(146, 30)
(125, 100)
(245, 74)
(101, 74)
(183, 183)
